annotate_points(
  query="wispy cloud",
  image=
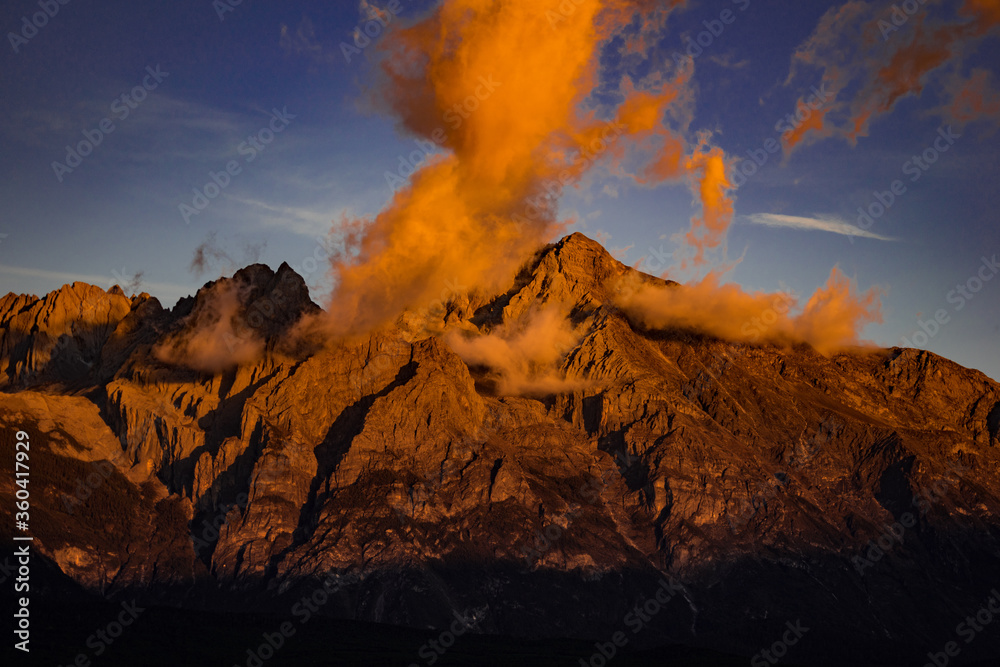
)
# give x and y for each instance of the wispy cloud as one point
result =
(817, 223)
(295, 219)
(161, 120)
(56, 279)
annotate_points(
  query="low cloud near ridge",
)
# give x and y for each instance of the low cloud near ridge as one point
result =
(526, 353)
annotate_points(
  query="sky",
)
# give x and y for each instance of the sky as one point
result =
(246, 132)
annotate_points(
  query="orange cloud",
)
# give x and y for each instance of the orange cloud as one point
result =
(835, 315)
(973, 98)
(524, 354)
(642, 114)
(500, 85)
(813, 123)
(707, 168)
(985, 11)
(897, 56)
(831, 320)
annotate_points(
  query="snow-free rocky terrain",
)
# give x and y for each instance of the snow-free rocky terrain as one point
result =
(758, 481)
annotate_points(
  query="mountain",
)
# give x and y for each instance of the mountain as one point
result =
(677, 489)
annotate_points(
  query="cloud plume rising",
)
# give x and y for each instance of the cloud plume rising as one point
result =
(501, 87)
(210, 340)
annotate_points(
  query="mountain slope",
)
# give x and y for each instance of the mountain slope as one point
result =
(755, 478)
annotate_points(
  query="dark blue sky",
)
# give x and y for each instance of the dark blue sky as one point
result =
(117, 212)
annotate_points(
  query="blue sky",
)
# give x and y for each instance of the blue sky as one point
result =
(117, 213)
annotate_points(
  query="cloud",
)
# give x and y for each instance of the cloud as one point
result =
(818, 223)
(163, 127)
(971, 98)
(524, 354)
(621, 253)
(873, 55)
(706, 168)
(501, 86)
(59, 278)
(295, 219)
(831, 320)
(209, 253)
(134, 284)
(209, 341)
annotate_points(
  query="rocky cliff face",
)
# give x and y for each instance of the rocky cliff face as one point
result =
(858, 493)
(59, 337)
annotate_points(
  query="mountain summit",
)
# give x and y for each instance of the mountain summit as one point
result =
(534, 457)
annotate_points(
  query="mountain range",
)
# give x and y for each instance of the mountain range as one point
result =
(536, 463)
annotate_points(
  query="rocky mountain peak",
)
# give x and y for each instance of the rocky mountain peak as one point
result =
(278, 298)
(59, 337)
(576, 274)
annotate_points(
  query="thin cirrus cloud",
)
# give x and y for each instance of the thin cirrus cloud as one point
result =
(296, 219)
(818, 224)
(168, 291)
